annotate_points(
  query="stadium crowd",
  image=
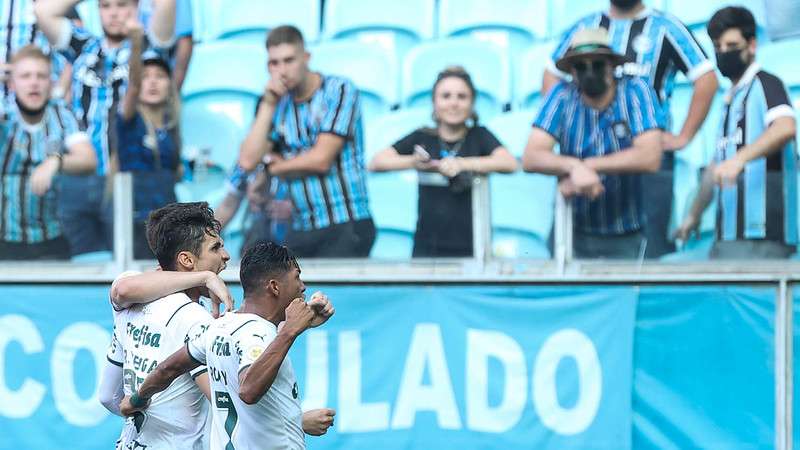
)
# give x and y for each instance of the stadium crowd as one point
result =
(79, 108)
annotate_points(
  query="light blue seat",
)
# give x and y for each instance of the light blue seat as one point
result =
(696, 13)
(227, 78)
(487, 65)
(373, 71)
(210, 134)
(392, 245)
(385, 130)
(701, 149)
(102, 256)
(512, 129)
(523, 202)
(250, 20)
(511, 24)
(777, 58)
(396, 25)
(528, 74)
(509, 243)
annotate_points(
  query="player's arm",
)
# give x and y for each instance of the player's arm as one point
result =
(316, 161)
(643, 156)
(111, 392)
(159, 379)
(257, 378)
(162, 22)
(257, 143)
(202, 382)
(699, 205)
(135, 70)
(779, 132)
(183, 55)
(150, 286)
(705, 87)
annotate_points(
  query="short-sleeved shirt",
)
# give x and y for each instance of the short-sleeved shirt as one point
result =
(24, 216)
(657, 45)
(231, 344)
(763, 203)
(444, 225)
(585, 132)
(340, 195)
(99, 81)
(145, 335)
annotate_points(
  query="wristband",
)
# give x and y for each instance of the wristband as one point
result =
(136, 401)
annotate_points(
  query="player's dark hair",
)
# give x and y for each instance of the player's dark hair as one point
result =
(285, 34)
(732, 17)
(262, 261)
(179, 227)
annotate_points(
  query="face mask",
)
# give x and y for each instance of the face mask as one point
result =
(731, 65)
(625, 4)
(592, 78)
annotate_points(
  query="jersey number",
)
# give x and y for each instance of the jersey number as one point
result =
(223, 401)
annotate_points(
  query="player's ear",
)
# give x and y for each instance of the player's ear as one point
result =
(185, 260)
(273, 288)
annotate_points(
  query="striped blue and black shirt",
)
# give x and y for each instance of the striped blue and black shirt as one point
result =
(99, 80)
(25, 217)
(340, 195)
(763, 203)
(656, 44)
(18, 29)
(584, 132)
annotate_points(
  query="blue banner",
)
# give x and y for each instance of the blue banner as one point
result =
(461, 367)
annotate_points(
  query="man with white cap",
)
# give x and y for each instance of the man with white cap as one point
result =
(609, 131)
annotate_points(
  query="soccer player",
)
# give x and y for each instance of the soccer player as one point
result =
(255, 398)
(755, 166)
(185, 239)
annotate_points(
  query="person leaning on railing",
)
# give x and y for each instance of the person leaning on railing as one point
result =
(39, 139)
(446, 157)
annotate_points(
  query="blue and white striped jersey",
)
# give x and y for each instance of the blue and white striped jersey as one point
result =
(656, 44)
(584, 132)
(25, 217)
(763, 203)
(340, 195)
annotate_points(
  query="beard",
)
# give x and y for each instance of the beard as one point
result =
(115, 37)
(28, 111)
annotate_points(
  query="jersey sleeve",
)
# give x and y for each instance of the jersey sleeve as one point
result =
(643, 108)
(341, 109)
(405, 146)
(550, 115)
(183, 19)
(687, 54)
(197, 346)
(776, 99)
(253, 341)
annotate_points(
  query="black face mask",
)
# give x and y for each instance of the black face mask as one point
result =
(731, 64)
(592, 78)
(29, 111)
(625, 4)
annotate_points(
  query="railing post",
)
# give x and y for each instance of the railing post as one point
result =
(123, 223)
(562, 230)
(784, 370)
(481, 221)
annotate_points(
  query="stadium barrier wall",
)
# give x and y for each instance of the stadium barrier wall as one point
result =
(454, 366)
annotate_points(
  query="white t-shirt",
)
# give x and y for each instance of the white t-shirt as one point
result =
(145, 335)
(232, 343)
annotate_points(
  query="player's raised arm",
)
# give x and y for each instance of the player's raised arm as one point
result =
(150, 286)
(256, 379)
(159, 379)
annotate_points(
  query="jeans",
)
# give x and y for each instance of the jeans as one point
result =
(86, 213)
(657, 204)
(596, 246)
(343, 240)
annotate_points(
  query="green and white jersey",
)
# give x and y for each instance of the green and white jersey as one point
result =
(231, 344)
(145, 335)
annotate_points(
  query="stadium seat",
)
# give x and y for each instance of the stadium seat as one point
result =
(773, 57)
(369, 67)
(696, 13)
(528, 74)
(226, 77)
(387, 129)
(393, 201)
(90, 16)
(394, 25)
(486, 63)
(250, 20)
(511, 24)
(512, 129)
(210, 134)
(508, 243)
(700, 151)
(101, 256)
(523, 203)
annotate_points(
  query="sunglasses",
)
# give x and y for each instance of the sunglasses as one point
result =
(597, 65)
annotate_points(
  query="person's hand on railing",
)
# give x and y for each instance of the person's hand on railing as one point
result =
(687, 228)
(582, 181)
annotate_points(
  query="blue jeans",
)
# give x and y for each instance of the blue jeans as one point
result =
(86, 213)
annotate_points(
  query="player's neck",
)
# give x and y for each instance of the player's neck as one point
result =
(307, 88)
(618, 13)
(264, 308)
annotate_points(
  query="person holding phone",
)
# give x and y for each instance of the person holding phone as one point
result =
(446, 158)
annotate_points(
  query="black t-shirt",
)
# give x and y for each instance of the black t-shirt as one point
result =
(444, 227)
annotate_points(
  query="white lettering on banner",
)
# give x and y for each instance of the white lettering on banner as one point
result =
(426, 350)
(565, 344)
(316, 392)
(23, 402)
(354, 416)
(81, 335)
(481, 346)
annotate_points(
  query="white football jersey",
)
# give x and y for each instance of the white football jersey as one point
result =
(145, 335)
(232, 343)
